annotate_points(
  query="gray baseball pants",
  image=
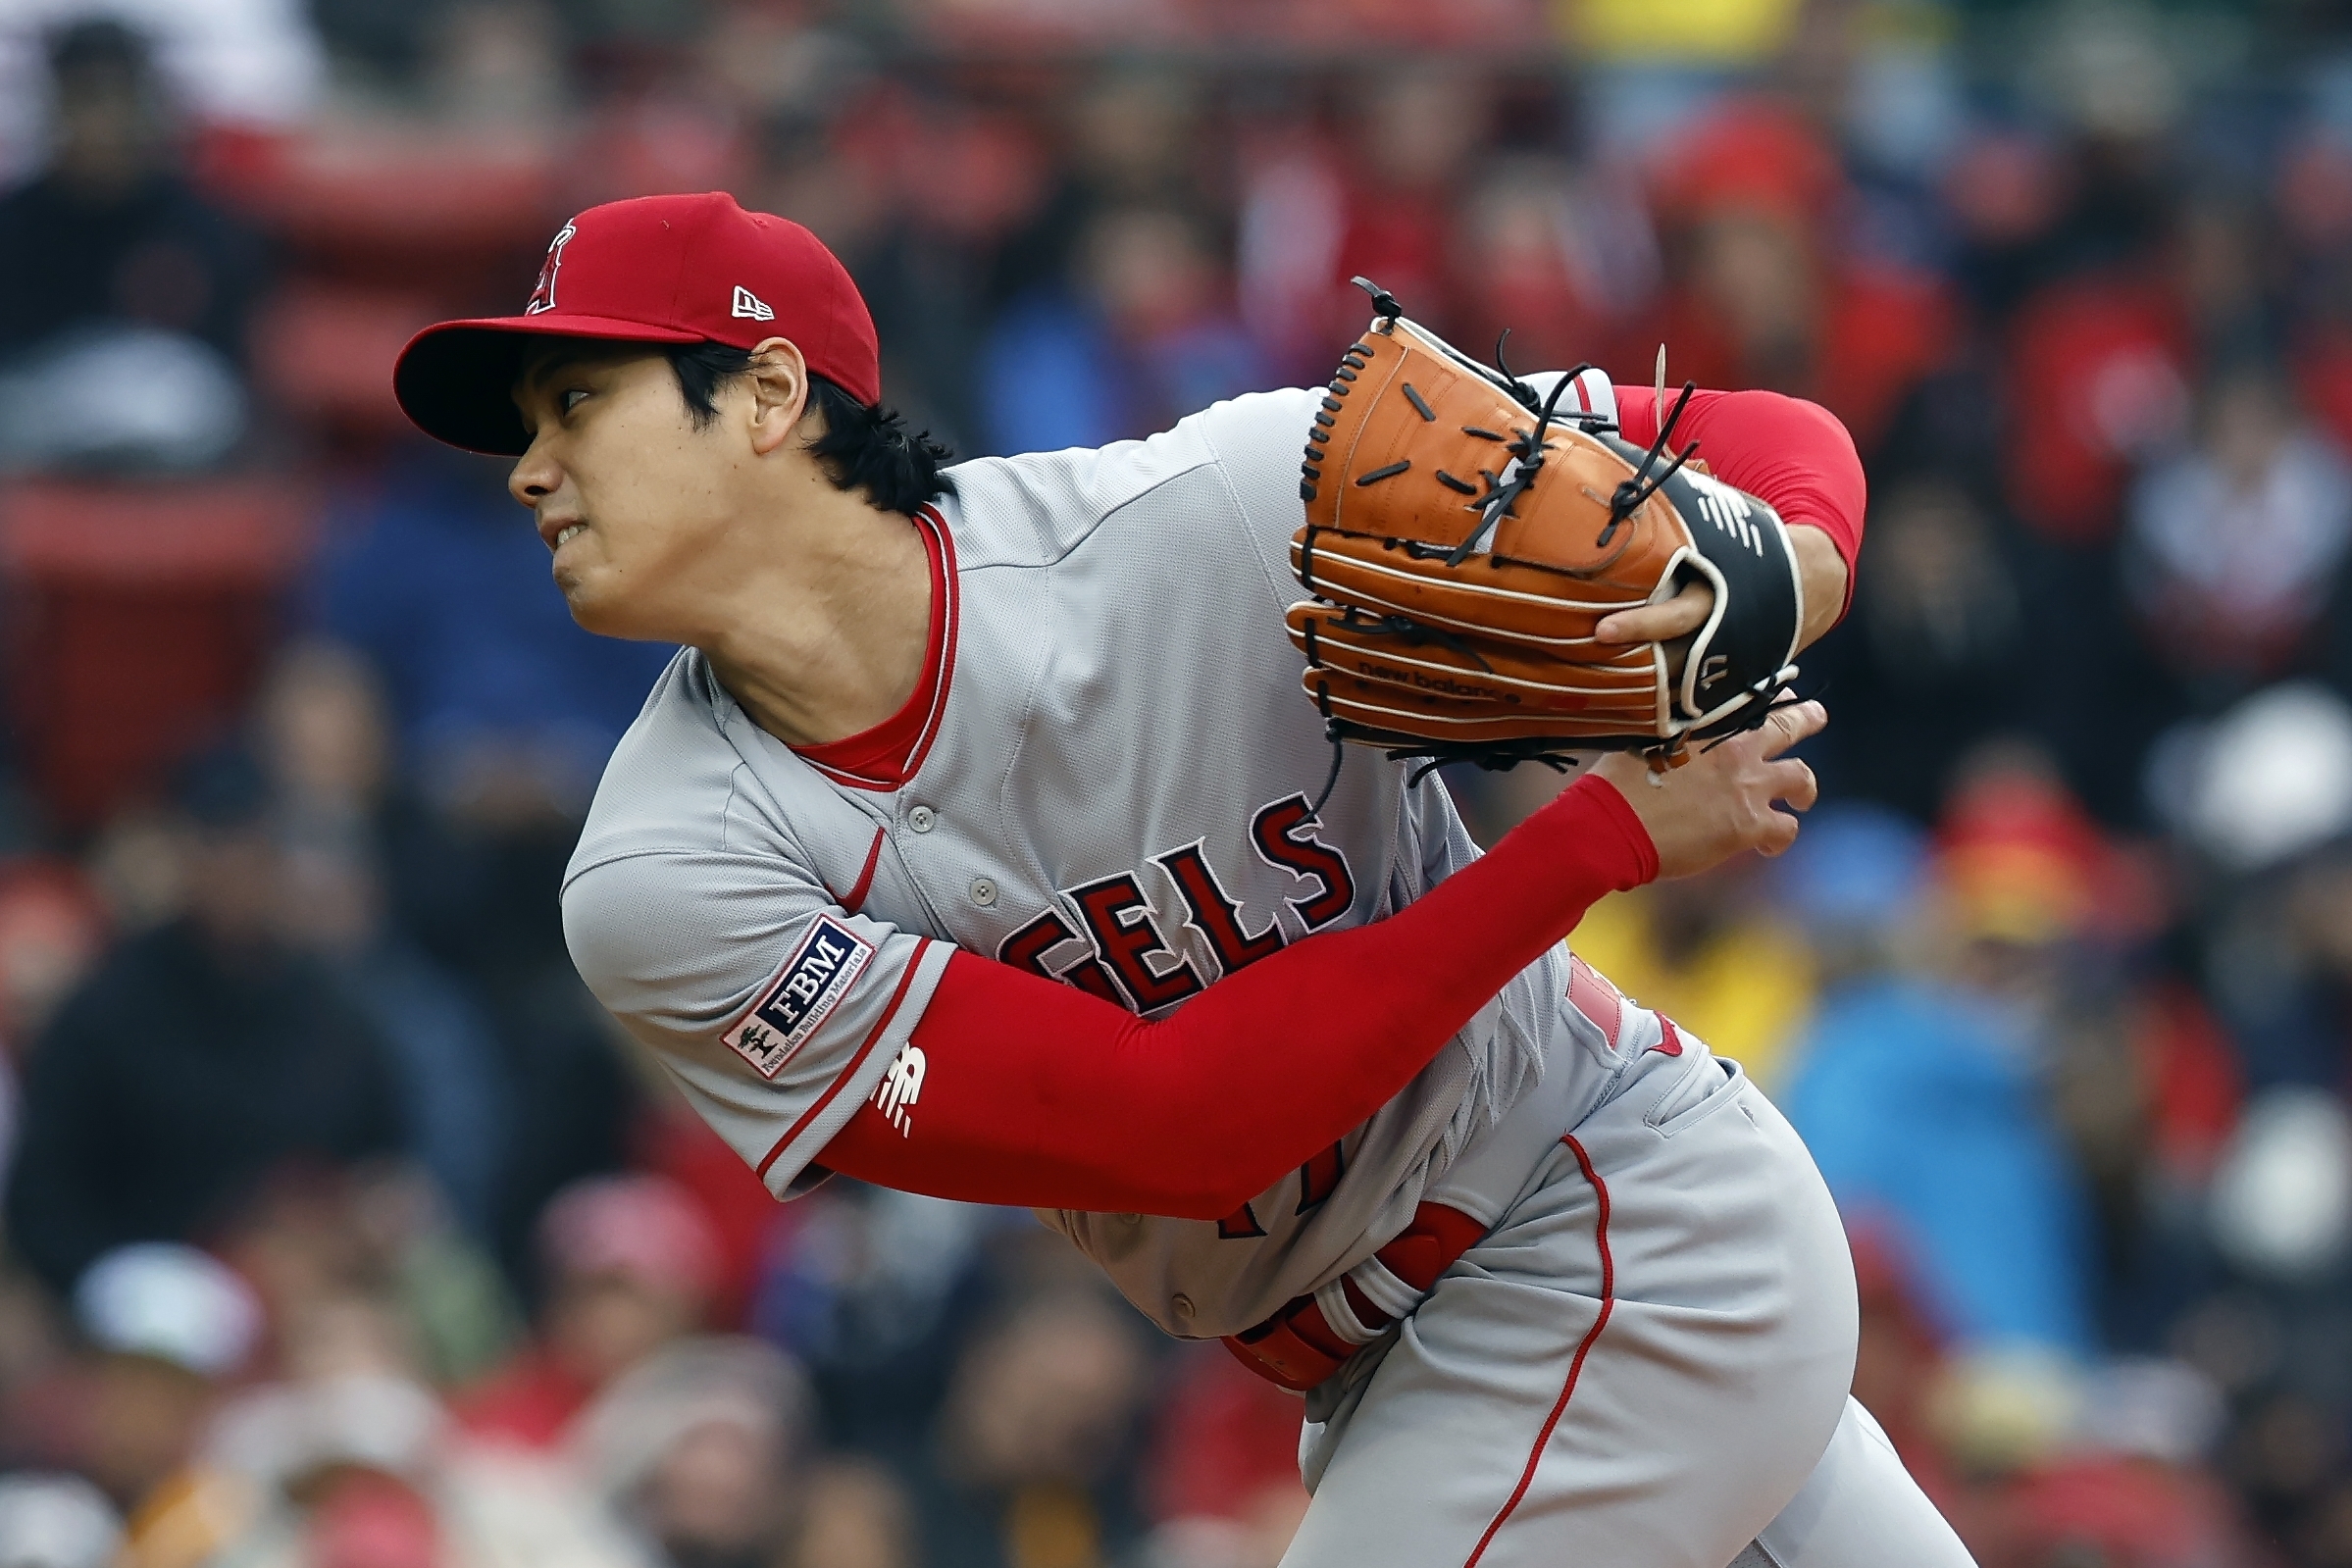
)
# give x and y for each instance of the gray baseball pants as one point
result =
(1645, 1364)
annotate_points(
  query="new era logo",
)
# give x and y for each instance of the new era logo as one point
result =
(750, 307)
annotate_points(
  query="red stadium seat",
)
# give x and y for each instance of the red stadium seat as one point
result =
(380, 204)
(139, 615)
(325, 352)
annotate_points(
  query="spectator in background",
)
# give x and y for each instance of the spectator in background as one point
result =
(1936, 656)
(51, 931)
(1528, 265)
(167, 1327)
(2042, 919)
(630, 1264)
(502, 712)
(1037, 1423)
(2236, 544)
(1136, 138)
(1150, 336)
(702, 1450)
(1917, 1100)
(2282, 961)
(1759, 293)
(323, 737)
(362, 1271)
(240, 68)
(1419, 124)
(1920, 1110)
(123, 294)
(873, 1291)
(197, 1058)
(351, 1466)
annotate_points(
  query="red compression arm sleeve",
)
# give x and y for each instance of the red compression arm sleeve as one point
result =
(1794, 454)
(1038, 1094)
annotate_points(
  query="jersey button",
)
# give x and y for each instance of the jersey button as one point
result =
(921, 818)
(1182, 1306)
(984, 893)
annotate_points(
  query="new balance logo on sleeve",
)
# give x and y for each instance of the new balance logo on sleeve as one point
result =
(900, 1087)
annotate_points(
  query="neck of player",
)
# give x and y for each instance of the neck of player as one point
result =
(822, 628)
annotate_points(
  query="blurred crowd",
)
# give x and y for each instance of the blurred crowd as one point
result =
(342, 1230)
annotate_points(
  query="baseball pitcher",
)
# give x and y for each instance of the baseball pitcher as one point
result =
(981, 842)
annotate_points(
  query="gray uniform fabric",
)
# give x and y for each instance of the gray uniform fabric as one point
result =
(1115, 790)
(1642, 1363)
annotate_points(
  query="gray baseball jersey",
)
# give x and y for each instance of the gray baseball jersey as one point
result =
(1115, 790)
(1112, 787)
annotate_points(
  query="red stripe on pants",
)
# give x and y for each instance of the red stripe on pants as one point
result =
(1608, 1301)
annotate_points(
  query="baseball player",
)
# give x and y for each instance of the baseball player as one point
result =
(971, 845)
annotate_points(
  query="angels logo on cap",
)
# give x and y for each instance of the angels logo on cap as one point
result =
(542, 292)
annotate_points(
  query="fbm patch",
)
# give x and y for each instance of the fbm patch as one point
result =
(815, 979)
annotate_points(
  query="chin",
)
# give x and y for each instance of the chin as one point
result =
(593, 611)
(593, 615)
(605, 614)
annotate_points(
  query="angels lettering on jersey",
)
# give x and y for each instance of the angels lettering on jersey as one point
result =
(1129, 955)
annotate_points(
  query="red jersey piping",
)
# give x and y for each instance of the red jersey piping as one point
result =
(918, 722)
(866, 878)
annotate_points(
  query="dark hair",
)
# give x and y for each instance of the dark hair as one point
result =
(864, 448)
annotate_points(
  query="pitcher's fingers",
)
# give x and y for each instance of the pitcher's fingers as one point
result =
(1778, 834)
(1794, 784)
(1678, 617)
(1792, 723)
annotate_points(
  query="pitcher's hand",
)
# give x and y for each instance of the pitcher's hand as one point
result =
(1722, 800)
(1674, 620)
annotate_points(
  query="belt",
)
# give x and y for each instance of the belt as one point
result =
(1298, 1348)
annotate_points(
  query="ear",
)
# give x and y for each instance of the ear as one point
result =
(779, 380)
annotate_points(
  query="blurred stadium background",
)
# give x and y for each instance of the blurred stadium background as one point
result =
(340, 1230)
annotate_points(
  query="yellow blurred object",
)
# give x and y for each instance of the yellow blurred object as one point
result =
(1744, 990)
(1052, 1525)
(2015, 892)
(2005, 1408)
(1699, 31)
(187, 1519)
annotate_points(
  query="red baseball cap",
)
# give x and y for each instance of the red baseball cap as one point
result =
(652, 269)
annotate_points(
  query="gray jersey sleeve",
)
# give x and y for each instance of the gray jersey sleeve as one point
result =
(1258, 442)
(777, 1012)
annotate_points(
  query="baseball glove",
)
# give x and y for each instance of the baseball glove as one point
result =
(1460, 561)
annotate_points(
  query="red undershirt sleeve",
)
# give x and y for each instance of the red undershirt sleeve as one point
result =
(1038, 1094)
(1794, 454)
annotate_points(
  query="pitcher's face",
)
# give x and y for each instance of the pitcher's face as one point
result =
(623, 487)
